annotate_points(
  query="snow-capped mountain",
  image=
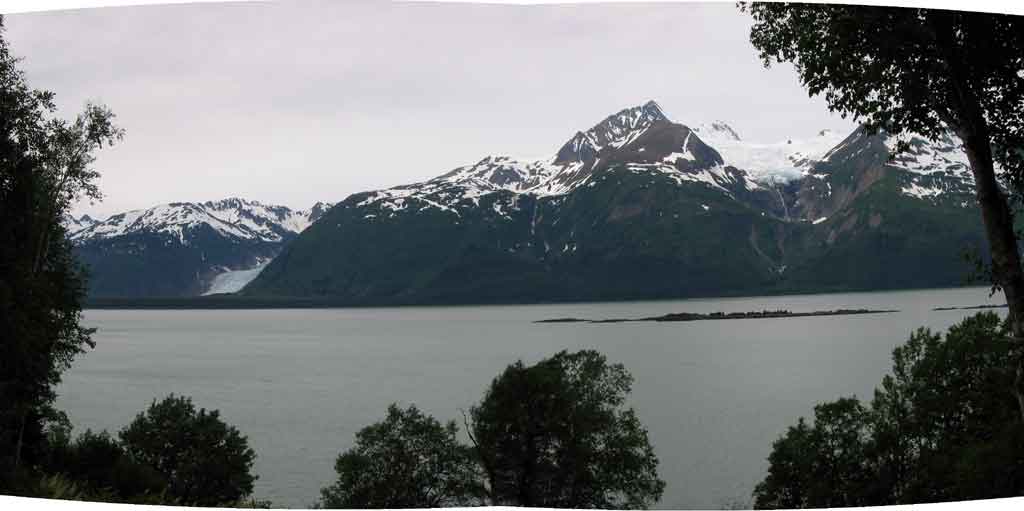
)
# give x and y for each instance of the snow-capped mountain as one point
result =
(185, 248)
(73, 224)
(642, 206)
(651, 140)
(936, 173)
(234, 217)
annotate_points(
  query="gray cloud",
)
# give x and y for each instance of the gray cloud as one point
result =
(295, 102)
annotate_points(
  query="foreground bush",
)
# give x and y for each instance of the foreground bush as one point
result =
(944, 426)
(96, 464)
(408, 460)
(205, 461)
(558, 434)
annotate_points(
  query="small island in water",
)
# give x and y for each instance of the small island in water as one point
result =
(694, 316)
(973, 307)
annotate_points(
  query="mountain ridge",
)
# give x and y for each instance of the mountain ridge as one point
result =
(639, 206)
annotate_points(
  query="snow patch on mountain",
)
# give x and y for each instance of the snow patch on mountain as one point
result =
(921, 192)
(74, 225)
(716, 130)
(924, 156)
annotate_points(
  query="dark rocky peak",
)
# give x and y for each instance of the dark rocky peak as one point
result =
(318, 211)
(615, 131)
(670, 143)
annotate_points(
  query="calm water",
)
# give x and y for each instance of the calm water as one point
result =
(300, 383)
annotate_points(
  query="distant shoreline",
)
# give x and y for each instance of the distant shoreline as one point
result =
(718, 316)
(230, 302)
(972, 307)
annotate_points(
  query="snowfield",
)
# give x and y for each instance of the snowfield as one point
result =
(232, 218)
(232, 281)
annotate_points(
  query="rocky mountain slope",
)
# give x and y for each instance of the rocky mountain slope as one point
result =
(184, 249)
(640, 206)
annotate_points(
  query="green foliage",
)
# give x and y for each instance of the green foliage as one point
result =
(96, 462)
(45, 166)
(205, 461)
(819, 466)
(943, 426)
(408, 460)
(62, 488)
(557, 434)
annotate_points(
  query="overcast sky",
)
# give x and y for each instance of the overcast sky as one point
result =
(295, 102)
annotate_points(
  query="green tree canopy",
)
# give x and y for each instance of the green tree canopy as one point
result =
(819, 466)
(558, 434)
(205, 461)
(408, 460)
(941, 427)
(46, 164)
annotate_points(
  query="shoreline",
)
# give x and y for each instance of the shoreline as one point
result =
(236, 302)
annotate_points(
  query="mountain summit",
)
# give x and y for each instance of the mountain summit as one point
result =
(614, 131)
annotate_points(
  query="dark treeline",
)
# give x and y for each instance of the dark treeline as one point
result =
(171, 454)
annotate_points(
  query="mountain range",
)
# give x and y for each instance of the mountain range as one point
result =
(642, 207)
(636, 207)
(184, 248)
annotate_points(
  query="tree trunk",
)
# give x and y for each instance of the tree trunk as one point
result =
(21, 440)
(998, 220)
(1002, 240)
(966, 115)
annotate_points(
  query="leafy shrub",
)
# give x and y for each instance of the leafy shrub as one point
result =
(205, 461)
(407, 460)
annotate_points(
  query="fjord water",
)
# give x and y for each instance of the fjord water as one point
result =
(301, 382)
